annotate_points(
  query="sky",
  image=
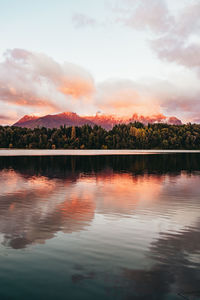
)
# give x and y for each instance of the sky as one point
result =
(111, 56)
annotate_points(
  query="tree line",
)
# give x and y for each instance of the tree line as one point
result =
(132, 136)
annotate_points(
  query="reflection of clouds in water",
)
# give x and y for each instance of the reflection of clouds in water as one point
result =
(173, 270)
(146, 197)
(34, 208)
(13, 182)
(38, 208)
(123, 193)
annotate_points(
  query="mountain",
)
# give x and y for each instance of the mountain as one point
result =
(159, 118)
(105, 121)
(26, 119)
(53, 121)
(174, 121)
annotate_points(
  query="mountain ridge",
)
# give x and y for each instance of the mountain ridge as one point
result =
(103, 120)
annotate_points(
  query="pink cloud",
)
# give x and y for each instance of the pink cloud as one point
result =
(150, 14)
(125, 97)
(34, 79)
(175, 36)
(35, 83)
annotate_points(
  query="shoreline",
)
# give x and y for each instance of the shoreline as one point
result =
(93, 152)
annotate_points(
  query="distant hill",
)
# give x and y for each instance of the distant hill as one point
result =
(53, 121)
(105, 121)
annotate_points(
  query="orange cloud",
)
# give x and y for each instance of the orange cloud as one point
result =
(31, 79)
(126, 98)
(76, 88)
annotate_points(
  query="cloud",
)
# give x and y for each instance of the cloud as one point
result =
(125, 97)
(6, 119)
(9, 114)
(181, 43)
(82, 20)
(148, 97)
(175, 36)
(36, 80)
(32, 83)
(150, 14)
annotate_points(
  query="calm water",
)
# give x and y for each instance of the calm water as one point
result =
(117, 227)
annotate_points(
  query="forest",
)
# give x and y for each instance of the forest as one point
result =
(132, 136)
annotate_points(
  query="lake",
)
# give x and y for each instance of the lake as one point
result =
(100, 227)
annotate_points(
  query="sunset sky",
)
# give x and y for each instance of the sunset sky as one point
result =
(111, 56)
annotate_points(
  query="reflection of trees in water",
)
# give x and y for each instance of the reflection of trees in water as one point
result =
(73, 166)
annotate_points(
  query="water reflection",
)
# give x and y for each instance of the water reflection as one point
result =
(43, 195)
(34, 208)
(151, 204)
